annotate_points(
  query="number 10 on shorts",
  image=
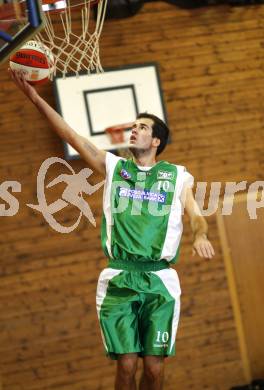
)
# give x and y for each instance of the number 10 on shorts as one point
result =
(162, 337)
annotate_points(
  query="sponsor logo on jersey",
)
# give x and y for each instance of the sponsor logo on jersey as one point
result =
(142, 195)
(126, 175)
(165, 175)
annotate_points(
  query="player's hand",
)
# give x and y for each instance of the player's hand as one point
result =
(20, 80)
(203, 247)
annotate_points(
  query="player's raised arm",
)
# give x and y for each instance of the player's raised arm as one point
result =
(85, 148)
(201, 244)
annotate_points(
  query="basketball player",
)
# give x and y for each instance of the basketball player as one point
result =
(138, 294)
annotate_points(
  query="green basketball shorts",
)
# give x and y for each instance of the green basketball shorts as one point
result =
(138, 311)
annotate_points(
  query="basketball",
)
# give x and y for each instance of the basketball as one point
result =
(35, 60)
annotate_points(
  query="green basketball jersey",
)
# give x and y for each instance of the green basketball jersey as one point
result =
(142, 210)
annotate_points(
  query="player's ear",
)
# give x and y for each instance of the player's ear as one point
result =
(155, 142)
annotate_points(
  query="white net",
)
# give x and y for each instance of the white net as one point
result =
(72, 33)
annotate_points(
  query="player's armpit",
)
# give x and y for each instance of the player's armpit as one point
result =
(89, 152)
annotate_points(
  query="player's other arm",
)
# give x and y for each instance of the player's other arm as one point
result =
(85, 148)
(201, 244)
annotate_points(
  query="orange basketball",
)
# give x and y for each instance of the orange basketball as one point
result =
(35, 60)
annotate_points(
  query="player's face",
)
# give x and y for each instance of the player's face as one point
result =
(141, 134)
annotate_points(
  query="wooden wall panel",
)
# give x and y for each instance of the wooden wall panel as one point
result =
(211, 68)
(245, 271)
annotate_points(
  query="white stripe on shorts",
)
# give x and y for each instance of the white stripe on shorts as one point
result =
(171, 281)
(104, 278)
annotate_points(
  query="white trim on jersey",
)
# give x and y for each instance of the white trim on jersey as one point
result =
(104, 278)
(110, 161)
(174, 228)
(170, 279)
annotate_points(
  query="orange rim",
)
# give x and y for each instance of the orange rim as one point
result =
(116, 133)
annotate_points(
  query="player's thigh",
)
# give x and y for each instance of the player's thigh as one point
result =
(114, 295)
(117, 309)
(106, 278)
(160, 314)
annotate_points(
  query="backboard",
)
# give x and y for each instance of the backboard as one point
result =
(19, 21)
(91, 104)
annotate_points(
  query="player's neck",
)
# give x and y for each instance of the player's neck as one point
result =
(145, 161)
(144, 158)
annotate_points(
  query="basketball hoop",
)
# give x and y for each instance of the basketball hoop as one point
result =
(73, 53)
(117, 138)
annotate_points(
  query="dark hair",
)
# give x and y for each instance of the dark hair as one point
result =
(159, 130)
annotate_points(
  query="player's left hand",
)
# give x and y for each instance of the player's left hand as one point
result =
(203, 247)
(19, 79)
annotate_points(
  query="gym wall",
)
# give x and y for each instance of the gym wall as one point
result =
(211, 68)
